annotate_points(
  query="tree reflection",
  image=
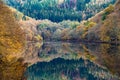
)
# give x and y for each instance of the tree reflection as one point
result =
(12, 70)
(111, 57)
(61, 69)
(99, 55)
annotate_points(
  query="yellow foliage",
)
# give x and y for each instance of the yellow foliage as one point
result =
(11, 36)
(90, 57)
(11, 45)
(11, 70)
(88, 25)
(109, 9)
(91, 24)
(38, 38)
(105, 38)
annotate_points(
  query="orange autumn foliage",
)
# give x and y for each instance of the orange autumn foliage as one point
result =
(12, 38)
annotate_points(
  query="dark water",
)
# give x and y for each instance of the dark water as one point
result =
(73, 61)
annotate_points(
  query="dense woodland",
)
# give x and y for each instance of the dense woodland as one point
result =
(102, 27)
(68, 69)
(12, 42)
(59, 10)
(61, 22)
(12, 37)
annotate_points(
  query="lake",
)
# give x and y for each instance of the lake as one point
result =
(72, 61)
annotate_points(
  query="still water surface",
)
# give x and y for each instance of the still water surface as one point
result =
(73, 61)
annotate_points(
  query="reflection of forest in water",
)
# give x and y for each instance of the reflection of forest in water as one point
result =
(61, 69)
(70, 58)
(12, 70)
(64, 61)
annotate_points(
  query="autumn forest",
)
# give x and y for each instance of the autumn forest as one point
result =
(59, 39)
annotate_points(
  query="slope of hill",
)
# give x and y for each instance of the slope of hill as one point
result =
(109, 23)
(12, 38)
(107, 28)
(103, 27)
(12, 44)
(28, 25)
(59, 10)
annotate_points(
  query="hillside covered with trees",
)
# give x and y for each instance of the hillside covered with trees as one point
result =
(59, 10)
(103, 27)
(12, 38)
(45, 22)
(12, 44)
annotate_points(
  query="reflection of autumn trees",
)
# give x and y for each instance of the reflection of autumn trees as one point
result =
(103, 54)
(12, 70)
(66, 50)
(60, 69)
(111, 57)
(107, 55)
(31, 53)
